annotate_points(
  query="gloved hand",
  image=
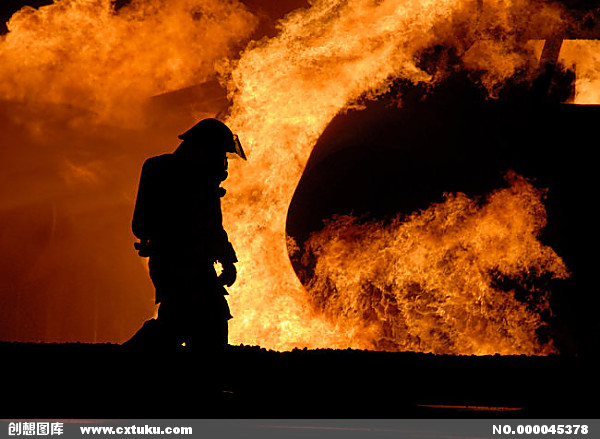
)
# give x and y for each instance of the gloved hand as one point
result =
(143, 247)
(228, 275)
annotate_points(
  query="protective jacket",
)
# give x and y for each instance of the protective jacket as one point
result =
(178, 214)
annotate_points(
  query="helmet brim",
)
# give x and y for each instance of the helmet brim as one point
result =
(238, 147)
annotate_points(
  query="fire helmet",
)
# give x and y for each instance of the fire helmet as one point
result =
(213, 132)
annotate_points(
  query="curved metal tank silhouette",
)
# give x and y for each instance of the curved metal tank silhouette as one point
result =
(388, 159)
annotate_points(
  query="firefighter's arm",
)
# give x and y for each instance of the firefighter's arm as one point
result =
(224, 251)
(142, 214)
(228, 275)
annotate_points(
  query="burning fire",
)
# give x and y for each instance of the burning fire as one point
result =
(85, 54)
(584, 57)
(430, 282)
(284, 92)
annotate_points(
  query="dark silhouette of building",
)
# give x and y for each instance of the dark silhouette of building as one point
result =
(179, 223)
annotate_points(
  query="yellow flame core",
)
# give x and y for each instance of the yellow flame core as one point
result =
(285, 91)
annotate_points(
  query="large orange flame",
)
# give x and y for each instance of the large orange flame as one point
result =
(285, 91)
(430, 282)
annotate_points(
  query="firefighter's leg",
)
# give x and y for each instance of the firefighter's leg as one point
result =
(171, 322)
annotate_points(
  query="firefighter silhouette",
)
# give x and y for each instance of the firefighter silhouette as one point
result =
(178, 221)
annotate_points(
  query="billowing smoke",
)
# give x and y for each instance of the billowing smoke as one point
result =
(86, 54)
